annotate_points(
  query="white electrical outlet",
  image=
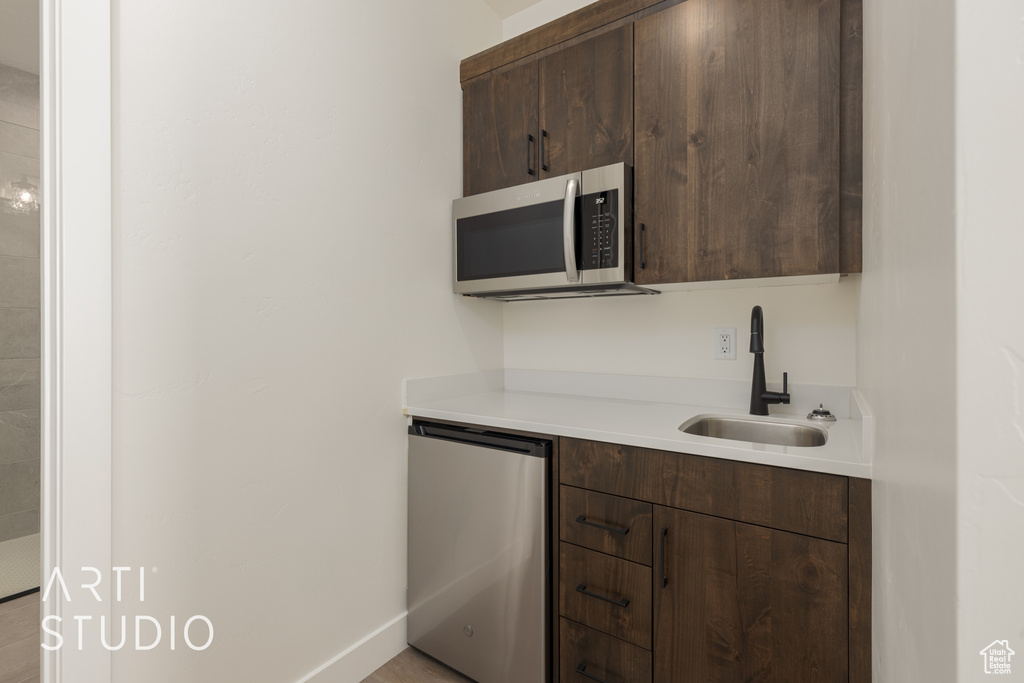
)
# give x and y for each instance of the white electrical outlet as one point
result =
(725, 343)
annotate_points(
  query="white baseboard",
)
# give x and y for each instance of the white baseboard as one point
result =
(364, 657)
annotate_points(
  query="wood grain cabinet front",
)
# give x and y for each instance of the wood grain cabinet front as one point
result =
(499, 129)
(568, 111)
(755, 573)
(610, 524)
(589, 655)
(738, 602)
(809, 503)
(737, 171)
(605, 593)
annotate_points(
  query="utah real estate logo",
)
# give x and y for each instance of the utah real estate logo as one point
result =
(997, 657)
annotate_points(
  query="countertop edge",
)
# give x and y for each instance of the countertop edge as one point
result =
(722, 451)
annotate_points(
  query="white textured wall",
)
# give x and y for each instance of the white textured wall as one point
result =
(990, 326)
(810, 332)
(539, 14)
(284, 176)
(19, 34)
(906, 344)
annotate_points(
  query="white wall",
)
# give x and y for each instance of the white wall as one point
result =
(907, 334)
(538, 15)
(19, 34)
(990, 330)
(284, 176)
(810, 332)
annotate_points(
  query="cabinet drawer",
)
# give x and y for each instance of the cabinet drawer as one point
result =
(808, 503)
(605, 593)
(585, 651)
(613, 525)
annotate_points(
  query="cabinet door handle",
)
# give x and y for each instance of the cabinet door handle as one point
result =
(643, 259)
(529, 154)
(583, 589)
(664, 571)
(604, 527)
(582, 671)
(543, 163)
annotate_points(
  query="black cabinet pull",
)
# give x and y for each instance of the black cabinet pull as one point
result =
(643, 259)
(664, 571)
(582, 671)
(529, 154)
(583, 589)
(543, 163)
(604, 527)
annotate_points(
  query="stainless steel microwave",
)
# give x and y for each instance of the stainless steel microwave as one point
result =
(561, 237)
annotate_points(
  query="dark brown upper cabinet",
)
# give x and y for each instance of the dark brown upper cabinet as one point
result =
(499, 127)
(737, 158)
(565, 112)
(586, 104)
(742, 120)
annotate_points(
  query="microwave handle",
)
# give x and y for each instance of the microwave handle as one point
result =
(572, 188)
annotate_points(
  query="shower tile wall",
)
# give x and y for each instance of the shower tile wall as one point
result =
(19, 309)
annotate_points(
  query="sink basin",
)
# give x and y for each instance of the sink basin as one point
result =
(755, 430)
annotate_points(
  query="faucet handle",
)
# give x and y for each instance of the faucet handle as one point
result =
(778, 396)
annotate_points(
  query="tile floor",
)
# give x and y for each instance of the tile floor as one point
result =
(412, 666)
(19, 640)
(19, 565)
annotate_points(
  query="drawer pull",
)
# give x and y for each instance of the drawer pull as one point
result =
(582, 671)
(611, 529)
(664, 570)
(583, 589)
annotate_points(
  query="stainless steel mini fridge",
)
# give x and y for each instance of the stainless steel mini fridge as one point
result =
(478, 551)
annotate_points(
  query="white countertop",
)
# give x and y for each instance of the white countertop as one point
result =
(488, 400)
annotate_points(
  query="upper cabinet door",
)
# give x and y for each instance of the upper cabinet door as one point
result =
(586, 104)
(500, 129)
(737, 140)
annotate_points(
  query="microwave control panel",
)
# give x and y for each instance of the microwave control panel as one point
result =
(599, 230)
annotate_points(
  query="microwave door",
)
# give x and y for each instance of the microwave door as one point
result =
(516, 238)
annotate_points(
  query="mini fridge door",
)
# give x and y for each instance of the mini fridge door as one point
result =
(478, 557)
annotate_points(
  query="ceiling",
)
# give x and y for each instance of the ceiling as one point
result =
(503, 8)
(19, 34)
(19, 29)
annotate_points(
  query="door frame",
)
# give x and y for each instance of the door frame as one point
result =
(76, 270)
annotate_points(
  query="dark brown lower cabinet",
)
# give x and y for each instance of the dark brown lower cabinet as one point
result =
(737, 602)
(659, 579)
(609, 594)
(589, 655)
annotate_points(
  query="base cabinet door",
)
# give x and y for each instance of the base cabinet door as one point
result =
(738, 602)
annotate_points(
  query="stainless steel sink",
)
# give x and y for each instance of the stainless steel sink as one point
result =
(755, 430)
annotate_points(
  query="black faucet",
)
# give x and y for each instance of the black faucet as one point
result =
(760, 397)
